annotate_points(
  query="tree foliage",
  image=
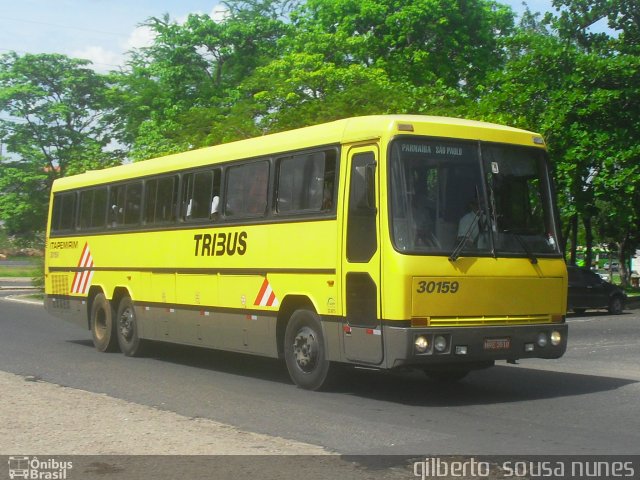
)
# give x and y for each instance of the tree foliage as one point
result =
(52, 125)
(183, 87)
(414, 41)
(582, 91)
(271, 65)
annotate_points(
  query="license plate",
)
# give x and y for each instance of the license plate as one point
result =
(497, 343)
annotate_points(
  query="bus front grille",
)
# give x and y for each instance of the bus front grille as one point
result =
(489, 320)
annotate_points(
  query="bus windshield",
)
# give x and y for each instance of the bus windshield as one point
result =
(469, 198)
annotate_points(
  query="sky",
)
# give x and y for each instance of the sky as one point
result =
(104, 30)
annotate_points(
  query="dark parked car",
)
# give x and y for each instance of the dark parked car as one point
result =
(588, 291)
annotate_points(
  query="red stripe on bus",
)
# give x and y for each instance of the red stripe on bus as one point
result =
(263, 289)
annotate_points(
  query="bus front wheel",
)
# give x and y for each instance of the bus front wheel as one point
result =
(127, 327)
(102, 325)
(304, 350)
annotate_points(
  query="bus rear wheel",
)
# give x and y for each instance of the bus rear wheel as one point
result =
(102, 325)
(127, 328)
(304, 350)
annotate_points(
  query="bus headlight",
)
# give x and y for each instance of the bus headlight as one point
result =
(421, 344)
(542, 340)
(440, 343)
(556, 338)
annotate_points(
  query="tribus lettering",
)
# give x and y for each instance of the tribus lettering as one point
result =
(220, 243)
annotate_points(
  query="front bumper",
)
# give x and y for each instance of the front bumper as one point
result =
(472, 345)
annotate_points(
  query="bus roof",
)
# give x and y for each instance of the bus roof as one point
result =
(350, 130)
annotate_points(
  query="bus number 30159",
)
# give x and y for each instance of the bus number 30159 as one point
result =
(438, 287)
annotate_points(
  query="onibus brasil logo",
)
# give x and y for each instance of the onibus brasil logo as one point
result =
(36, 469)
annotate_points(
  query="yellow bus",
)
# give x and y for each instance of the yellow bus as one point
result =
(389, 242)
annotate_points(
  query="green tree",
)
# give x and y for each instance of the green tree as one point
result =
(23, 197)
(576, 19)
(303, 89)
(346, 58)
(183, 91)
(413, 41)
(272, 65)
(585, 102)
(53, 109)
(613, 67)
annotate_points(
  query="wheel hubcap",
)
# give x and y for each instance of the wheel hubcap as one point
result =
(126, 324)
(305, 349)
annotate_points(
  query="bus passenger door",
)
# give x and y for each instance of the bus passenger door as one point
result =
(362, 330)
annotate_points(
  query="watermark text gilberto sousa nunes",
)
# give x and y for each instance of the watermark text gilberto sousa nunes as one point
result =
(434, 467)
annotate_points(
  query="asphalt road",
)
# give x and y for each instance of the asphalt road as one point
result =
(588, 402)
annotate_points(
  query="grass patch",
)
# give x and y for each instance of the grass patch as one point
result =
(28, 267)
(14, 272)
(633, 292)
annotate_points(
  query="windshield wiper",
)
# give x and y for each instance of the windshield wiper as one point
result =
(463, 240)
(532, 258)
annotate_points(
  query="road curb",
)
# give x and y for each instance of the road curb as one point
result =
(17, 299)
(18, 287)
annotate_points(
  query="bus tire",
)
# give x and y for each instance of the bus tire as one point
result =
(102, 324)
(304, 350)
(127, 329)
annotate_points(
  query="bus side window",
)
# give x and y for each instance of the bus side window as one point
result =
(93, 207)
(247, 187)
(305, 182)
(116, 205)
(86, 206)
(200, 191)
(150, 198)
(125, 204)
(211, 203)
(133, 203)
(160, 200)
(329, 181)
(165, 209)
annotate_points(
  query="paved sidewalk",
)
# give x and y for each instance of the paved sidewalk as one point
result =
(43, 418)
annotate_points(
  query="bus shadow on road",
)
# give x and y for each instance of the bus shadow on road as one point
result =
(500, 384)
(235, 363)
